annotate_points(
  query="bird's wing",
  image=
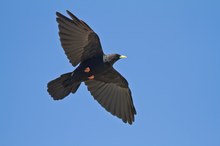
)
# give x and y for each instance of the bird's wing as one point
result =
(78, 40)
(111, 90)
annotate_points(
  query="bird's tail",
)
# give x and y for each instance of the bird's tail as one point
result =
(62, 86)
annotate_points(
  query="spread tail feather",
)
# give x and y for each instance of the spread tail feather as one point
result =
(62, 86)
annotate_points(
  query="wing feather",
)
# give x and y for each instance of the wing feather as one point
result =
(78, 40)
(112, 92)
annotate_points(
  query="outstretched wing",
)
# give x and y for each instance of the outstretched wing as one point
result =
(112, 92)
(78, 40)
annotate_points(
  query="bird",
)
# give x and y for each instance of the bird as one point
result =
(83, 48)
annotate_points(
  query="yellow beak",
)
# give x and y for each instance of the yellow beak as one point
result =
(122, 56)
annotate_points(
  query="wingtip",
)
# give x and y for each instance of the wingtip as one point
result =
(68, 11)
(72, 15)
(58, 14)
(130, 122)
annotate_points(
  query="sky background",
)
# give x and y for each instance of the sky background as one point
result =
(173, 69)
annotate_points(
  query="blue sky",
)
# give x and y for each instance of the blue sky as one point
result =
(173, 69)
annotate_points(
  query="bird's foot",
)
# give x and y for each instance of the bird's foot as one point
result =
(91, 77)
(87, 69)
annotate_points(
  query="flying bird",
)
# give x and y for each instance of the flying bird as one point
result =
(95, 68)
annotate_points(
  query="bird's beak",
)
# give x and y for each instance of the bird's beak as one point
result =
(122, 56)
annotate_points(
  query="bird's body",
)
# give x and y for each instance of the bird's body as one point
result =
(96, 66)
(82, 46)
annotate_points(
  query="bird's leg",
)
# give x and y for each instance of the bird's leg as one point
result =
(91, 77)
(87, 69)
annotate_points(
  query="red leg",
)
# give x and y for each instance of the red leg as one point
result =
(91, 77)
(87, 69)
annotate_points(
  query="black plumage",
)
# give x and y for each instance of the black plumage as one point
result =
(82, 46)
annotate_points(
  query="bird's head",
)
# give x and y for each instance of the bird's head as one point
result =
(112, 58)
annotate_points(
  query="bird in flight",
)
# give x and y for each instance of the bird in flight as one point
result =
(83, 48)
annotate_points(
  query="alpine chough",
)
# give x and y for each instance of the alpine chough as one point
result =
(82, 46)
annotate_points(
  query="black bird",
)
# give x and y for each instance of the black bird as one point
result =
(82, 46)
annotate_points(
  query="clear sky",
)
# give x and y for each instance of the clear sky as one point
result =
(173, 69)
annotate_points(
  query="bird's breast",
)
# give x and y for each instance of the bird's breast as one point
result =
(91, 69)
